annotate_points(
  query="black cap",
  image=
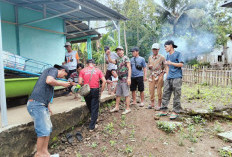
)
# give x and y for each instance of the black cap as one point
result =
(60, 67)
(134, 49)
(90, 61)
(106, 48)
(170, 42)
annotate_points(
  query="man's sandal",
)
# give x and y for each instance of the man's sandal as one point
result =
(160, 114)
(173, 116)
(114, 110)
(150, 107)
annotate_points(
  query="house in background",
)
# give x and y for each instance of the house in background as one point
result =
(220, 56)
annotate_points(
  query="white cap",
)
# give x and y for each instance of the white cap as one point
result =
(155, 46)
(67, 44)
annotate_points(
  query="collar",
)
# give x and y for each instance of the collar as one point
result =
(155, 57)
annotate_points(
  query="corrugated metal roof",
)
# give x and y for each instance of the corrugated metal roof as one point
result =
(227, 4)
(90, 9)
(77, 29)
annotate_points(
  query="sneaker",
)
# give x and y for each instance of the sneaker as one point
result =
(91, 130)
(126, 111)
(114, 110)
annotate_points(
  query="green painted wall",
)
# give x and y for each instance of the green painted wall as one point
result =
(36, 44)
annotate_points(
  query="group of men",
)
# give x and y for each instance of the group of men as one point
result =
(123, 74)
(132, 73)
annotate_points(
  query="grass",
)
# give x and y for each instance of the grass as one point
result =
(128, 149)
(217, 127)
(201, 94)
(167, 127)
(94, 145)
(224, 153)
(112, 143)
(109, 128)
(103, 149)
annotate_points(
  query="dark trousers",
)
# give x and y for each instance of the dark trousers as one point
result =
(92, 101)
(69, 73)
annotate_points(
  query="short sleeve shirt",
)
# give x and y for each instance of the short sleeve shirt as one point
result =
(113, 56)
(71, 59)
(85, 74)
(174, 72)
(42, 91)
(122, 68)
(157, 62)
(139, 61)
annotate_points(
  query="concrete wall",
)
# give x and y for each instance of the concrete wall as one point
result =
(20, 140)
(36, 44)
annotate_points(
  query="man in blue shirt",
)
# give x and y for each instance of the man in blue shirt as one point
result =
(173, 81)
(139, 75)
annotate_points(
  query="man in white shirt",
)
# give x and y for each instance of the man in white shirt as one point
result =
(110, 66)
(71, 58)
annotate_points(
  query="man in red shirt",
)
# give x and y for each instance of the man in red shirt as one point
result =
(92, 99)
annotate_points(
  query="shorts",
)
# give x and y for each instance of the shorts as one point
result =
(122, 89)
(108, 75)
(41, 118)
(137, 82)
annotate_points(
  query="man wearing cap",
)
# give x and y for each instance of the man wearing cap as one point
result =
(71, 58)
(139, 75)
(110, 66)
(38, 105)
(124, 78)
(156, 63)
(92, 76)
(173, 82)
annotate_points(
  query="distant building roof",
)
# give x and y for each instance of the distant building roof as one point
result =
(227, 4)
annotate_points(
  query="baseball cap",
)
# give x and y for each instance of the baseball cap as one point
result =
(155, 46)
(67, 44)
(106, 48)
(60, 67)
(90, 61)
(119, 47)
(170, 42)
(134, 49)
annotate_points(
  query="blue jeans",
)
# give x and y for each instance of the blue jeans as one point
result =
(92, 101)
(41, 117)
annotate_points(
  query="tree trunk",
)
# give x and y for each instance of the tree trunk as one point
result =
(137, 36)
(125, 39)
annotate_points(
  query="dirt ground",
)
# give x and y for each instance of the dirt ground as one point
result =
(137, 134)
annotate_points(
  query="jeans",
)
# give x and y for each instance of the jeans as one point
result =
(41, 117)
(92, 101)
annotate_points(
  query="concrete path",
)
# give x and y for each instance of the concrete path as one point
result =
(19, 115)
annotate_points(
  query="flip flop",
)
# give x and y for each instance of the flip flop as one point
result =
(150, 107)
(157, 108)
(55, 155)
(69, 138)
(79, 136)
(173, 116)
(141, 104)
(114, 110)
(160, 114)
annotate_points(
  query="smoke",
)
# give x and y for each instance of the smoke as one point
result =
(190, 45)
(191, 39)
